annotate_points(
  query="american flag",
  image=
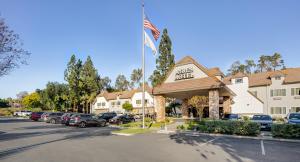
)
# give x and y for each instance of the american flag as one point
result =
(147, 24)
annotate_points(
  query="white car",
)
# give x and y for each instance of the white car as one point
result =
(22, 113)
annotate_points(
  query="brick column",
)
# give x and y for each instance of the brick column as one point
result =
(227, 105)
(214, 104)
(160, 108)
(184, 109)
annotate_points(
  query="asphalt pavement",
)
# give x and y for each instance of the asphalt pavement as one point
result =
(27, 141)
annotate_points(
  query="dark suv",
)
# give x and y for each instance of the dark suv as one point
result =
(84, 120)
(54, 117)
(107, 116)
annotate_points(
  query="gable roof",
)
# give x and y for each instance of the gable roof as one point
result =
(291, 75)
(123, 94)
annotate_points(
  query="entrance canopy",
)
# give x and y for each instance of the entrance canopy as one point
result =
(189, 78)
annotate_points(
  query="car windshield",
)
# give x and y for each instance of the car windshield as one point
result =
(294, 117)
(261, 117)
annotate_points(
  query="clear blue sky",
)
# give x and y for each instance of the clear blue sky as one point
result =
(214, 32)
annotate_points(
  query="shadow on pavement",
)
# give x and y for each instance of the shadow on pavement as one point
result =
(238, 149)
(85, 133)
(15, 121)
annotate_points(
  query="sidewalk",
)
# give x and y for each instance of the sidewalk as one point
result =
(261, 137)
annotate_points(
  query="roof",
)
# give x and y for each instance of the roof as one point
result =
(123, 94)
(192, 84)
(215, 71)
(291, 75)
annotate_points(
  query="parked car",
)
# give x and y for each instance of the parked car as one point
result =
(53, 117)
(65, 118)
(122, 119)
(84, 120)
(22, 113)
(107, 116)
(265, 121)
(44, 116)
(231, 117)
(293, 118)
(36, 116)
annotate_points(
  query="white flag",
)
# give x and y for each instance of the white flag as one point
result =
(149, 43)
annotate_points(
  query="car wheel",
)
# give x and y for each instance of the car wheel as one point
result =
(82, 125)
(52, 121)
(103, 124)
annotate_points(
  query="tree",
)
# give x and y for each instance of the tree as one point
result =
(127, 106)
(72, 76)
(11, 52)
(276, 61)
(55, 96)
(106, 84)
(136, 77)
(172, 107)
(199, 103)
(121, 83)
(165, 60)
(89, 83)
(32, 100)
(237, 67)
(250, 64)
(21, 95)
(4, 103)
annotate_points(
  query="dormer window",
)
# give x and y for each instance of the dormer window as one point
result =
(238, 80)
(278, 78)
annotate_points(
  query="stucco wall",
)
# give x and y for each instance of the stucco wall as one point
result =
(244, 102)
(138, 96)
(287, 101)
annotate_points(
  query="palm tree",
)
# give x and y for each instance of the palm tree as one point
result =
(262, 63)
(275, 60)
(136, 77)
(249, 65)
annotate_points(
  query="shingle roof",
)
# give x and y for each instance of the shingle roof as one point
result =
(186, 85)
(123, 94)
(291, 75)
(215, 71)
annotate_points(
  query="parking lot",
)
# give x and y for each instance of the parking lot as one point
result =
(27, 141)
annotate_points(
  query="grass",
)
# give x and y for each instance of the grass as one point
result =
(133, 131)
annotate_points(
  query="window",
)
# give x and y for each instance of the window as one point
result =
(278, 92)
(103, 104)
(278, 78)
(118, 103)
(98, 104)
(295, 91)
(113, 104)
(138, 102)
(238, 80)
(146, 101)
(295, 109)
(278, 110)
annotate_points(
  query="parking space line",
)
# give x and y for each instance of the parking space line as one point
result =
(262, 147)
(208, 142)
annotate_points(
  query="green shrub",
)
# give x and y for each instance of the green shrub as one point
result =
(245, 118)
(225, 127)
(286, 130)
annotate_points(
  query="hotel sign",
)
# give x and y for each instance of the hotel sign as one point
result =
(184, 74)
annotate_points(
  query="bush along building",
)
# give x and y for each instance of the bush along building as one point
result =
(113, 102)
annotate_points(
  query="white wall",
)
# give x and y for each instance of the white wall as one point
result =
(100, 100)
(138, 96)
(244, 102)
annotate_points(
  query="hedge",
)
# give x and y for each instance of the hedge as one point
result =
(244, 128)
(286, 130)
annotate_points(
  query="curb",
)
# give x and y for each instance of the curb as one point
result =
(122, 134)
(239, 137)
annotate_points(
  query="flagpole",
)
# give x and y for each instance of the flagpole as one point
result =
(143, 67)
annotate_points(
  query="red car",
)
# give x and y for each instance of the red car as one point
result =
(35, 116)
